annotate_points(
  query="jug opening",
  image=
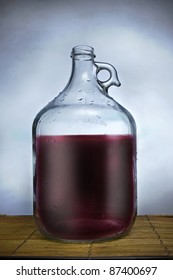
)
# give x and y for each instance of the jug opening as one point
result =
(83, 52)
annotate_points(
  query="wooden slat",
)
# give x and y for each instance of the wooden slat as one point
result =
(150, 236)
(163, 228)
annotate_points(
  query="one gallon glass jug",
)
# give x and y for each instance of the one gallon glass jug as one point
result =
(84, 151)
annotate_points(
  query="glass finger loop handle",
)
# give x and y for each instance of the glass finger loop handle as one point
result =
(113, 79)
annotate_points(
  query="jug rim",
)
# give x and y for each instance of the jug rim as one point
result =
(83, 49)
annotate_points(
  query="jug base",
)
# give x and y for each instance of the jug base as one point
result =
(87, 230)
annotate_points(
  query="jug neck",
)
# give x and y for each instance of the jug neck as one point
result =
(82, 67)
(83, 53)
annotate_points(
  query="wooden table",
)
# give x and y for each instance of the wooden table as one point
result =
(150, 237)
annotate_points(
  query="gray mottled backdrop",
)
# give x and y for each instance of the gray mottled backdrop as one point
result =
(36, 38)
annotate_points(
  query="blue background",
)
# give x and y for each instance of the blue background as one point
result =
(36, 38)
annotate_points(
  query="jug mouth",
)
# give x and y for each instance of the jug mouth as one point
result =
(82, 50)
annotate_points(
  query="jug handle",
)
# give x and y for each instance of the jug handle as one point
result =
(112, 80)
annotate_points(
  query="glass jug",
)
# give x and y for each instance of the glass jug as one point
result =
(84, 154)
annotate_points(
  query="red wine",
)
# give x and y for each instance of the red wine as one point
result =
(85, 185)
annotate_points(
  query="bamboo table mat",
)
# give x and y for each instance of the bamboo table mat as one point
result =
(150, 236)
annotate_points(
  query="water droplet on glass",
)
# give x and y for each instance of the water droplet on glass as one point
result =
(53, 119)
(79, 90)
(88, 80)
(80, 99)
(103, 123)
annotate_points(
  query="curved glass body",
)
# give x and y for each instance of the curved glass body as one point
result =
(84, 154)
